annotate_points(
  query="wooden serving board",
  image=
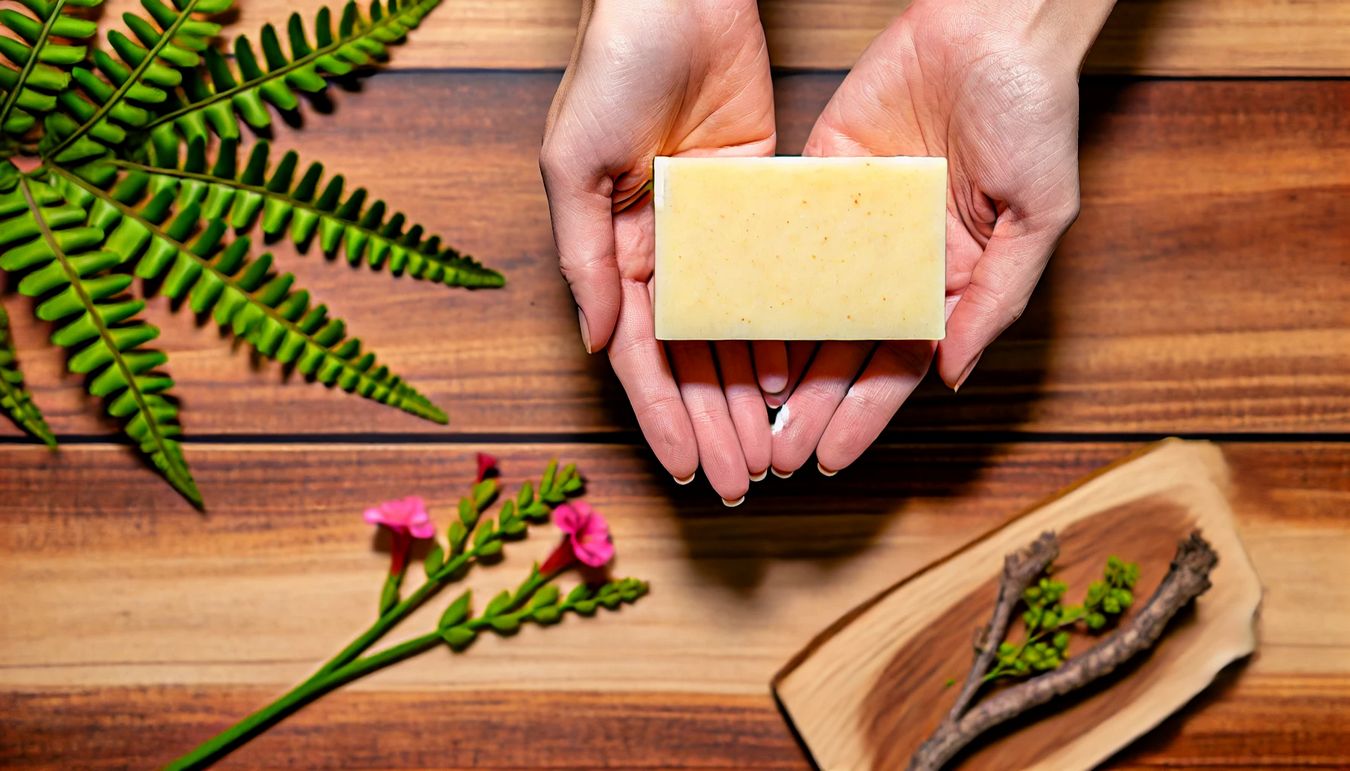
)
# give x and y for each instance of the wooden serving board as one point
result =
(871, 688)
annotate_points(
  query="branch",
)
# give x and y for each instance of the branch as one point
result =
(1187, 579)
(1020, 569)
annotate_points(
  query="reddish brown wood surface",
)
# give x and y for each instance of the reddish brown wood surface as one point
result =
(135, 626)
(1159, 37)
(1203, 288)
(1244, 722)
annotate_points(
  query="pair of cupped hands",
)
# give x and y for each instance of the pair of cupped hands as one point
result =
(991, 87)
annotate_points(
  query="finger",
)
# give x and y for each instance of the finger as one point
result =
(640, 363)
(580, 207)
(746, 403)
(798, 358)
(999, 288)
(799, 425)
(719, 449)
(889, 378)
(771, 365)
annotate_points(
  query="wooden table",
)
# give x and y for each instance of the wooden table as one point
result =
(1203, 292)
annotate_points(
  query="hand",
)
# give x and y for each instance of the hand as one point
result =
(649, 78)
(994, 88)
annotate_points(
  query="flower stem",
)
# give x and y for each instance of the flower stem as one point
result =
(226, 741)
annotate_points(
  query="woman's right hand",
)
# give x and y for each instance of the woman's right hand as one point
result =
(649, 78)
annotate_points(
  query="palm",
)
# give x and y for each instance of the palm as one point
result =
(646, 82)
(1007, 124)
(1007, 128)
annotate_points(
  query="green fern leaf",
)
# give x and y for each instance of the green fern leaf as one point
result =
(41, 65)
(168, 243)
(122, 94)
(302, 207)
(216, 96)
(13, 396)
(66, 261)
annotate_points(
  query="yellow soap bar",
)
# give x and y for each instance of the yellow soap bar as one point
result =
(800, 248)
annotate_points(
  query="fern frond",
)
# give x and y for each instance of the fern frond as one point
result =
(13, 396)
(245, 295)
(215, 97)
(306, 209)
(66, 262)
(41, 65)
(122, 95)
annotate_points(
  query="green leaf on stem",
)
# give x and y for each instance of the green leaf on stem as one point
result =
(505, 624)
(457, 612)
(435, 560)
(498, 604)
(484, 492)
(457, 535)
(484, 533)
(547, 595)
(458, 637)
(468, 513)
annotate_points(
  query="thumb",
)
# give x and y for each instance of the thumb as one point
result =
(999, 288)
(583, 227)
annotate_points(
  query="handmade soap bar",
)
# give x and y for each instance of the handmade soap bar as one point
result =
(800, 248)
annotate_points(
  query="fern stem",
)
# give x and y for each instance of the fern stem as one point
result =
(273, 74)
(152, 55)
(414, 404)
(178, 474)
(13, 96)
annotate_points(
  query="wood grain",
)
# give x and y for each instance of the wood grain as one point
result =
(118, 594)
(281, 570)
(868, 691)
(1248, 721)
(1201, 290)
(1154, 37)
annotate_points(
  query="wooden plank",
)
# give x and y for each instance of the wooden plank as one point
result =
(1244, 721)
(1201, 290)
(118, 594)
(1154, 37)
(281, 571)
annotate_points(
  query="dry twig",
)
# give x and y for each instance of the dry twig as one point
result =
(1187, 579)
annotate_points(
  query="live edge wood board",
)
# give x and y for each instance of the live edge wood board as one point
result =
(871, 688)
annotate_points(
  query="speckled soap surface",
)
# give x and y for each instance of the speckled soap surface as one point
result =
(800, 248)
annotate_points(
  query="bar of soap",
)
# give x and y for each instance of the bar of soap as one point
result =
(800, 248)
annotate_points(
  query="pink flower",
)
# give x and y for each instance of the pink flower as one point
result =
(404, 515)
(487, 465)
(585, 538)
(406, 519)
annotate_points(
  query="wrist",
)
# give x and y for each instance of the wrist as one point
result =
(1054, 29)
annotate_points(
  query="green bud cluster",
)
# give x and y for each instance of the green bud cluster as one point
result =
(1047, 620)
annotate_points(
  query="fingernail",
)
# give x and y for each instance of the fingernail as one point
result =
(760, 476)
(969, 369)
(733, 504)
(824, 470)
(684, 481)
(780, 474)
(585, 331)
(773, 401)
